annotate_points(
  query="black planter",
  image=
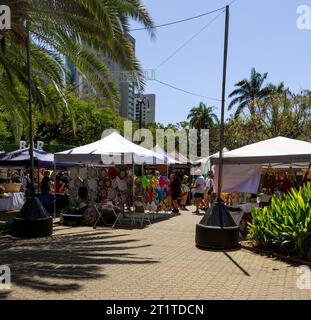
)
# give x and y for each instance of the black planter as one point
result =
(217, 229)
(33, 221)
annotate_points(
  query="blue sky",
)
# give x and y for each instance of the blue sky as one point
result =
(263, 34)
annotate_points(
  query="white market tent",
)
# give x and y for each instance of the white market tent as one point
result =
(205, 160)
(112, 149)
(276, 150)
(168, 158)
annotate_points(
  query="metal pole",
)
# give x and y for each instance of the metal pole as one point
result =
(28, 44)
(223, 99)
(55, 196)
(140, 114)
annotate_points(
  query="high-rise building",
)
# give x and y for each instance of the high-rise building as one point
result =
(123, 80)
(145, 105)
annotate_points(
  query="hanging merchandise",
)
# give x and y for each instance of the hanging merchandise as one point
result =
(150, 194)
(74, 173)
(145, 182)
(101, 183)
(107, 183)
(92, 173)
(122, 174)
(154, 182)
(163, 206)
(269, 181)
(111, 194)
(92, 184)
(122, 184)
(159, 195)
(83, 173)
(102, 172)
(112, 173)
(270, 170)
(291, 175)
(102, 194)
(162, 182)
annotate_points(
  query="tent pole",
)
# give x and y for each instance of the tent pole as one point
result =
(223, 101)
(54, 189)
(38, 187)
(30, 120)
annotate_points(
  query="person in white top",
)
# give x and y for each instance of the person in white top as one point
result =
(199, 190)
(209, 190)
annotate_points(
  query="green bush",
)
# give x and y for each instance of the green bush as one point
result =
(285, 225)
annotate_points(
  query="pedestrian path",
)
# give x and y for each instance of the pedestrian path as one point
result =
(156, 262)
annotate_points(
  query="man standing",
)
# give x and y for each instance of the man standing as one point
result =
(175, 190)
(199, 190)
(209, 190)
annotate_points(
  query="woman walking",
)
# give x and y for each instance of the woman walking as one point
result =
(185, 189)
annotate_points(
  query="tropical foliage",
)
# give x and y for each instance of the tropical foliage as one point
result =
(81, 30)
(202, 117)
(286, 224)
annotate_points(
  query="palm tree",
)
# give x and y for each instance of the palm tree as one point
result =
(202, 117)
(83, 31)
(248, 91)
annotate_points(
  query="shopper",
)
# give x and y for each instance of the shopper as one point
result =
(199, 190)
(46, 184)
(209, 190)
(175, 192)
(59, 184)
(185, 189)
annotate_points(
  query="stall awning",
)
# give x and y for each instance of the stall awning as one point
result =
(43, 159)
(169, 159)
(180, 158)
(112, 149)
(276, 150)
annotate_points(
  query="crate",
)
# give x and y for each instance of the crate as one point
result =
(72, 220)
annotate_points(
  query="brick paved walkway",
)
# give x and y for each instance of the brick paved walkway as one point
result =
(157, 262)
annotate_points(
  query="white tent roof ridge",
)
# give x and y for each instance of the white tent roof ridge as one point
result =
(113, 144)
(169, 159)
(275, 150)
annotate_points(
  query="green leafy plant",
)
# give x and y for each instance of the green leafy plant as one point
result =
(285, 225)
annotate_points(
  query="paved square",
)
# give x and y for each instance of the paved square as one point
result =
(157, 262)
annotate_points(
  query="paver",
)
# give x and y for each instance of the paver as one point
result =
(157, 262)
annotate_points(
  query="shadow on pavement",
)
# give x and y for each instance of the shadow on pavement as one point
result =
(59, 263)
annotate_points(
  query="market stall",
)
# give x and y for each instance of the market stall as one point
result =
(254, 173)
(18, 161)
(112, 177)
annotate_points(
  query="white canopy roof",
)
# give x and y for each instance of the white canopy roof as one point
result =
(276, 150)
(112, 149)
(168, 158)
(206, 159)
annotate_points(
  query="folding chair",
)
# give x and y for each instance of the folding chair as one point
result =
(144, 217)
(100, 211)
(100, 208)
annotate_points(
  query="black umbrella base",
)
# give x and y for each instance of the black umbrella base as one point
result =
(217, 238)
(33, 221)
(32, 228)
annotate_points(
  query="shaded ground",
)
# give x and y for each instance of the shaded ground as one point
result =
(157, 262)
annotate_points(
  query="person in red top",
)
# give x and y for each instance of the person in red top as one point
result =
(59, 185)
(285, 186)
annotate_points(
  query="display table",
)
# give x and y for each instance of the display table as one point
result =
(14, 202)
(242, 217)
